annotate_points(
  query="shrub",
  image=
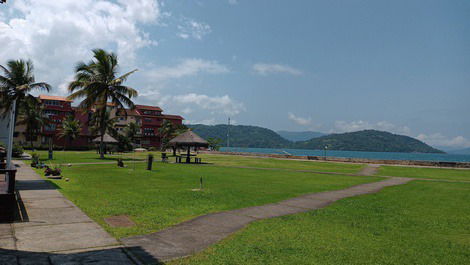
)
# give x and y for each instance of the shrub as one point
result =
(34, 159)
(17, 150)
(52, 171)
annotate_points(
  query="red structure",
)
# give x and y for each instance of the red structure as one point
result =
(149, 119)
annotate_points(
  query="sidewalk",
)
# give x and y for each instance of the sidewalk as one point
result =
(197, 234)
(52, 228)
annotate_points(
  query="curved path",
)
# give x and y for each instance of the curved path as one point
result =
(197, 234)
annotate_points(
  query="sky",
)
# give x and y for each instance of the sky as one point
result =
(329, 66)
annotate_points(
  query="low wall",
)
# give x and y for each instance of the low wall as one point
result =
(353, 160)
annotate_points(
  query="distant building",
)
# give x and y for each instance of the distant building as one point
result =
(148, 118)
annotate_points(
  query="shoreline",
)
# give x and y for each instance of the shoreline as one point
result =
(434, 164)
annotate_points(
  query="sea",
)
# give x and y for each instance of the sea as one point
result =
(353, 154)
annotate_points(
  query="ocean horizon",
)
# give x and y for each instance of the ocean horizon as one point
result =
(354, 154)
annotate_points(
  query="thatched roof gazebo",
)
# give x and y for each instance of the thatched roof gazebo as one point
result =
(106, 139)
(188, 139)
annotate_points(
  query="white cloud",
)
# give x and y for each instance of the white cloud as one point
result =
(192, 28)
(187, 67)
(216, 104)
(233, 2)
(55, 35)
(343, 126)
(438, 139)
(265, 69)
(299, 120)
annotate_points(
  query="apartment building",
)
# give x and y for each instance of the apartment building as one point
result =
(148, 118)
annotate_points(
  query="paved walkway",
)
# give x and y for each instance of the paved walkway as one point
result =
(195, 235)
(369, 170)
(52, 230)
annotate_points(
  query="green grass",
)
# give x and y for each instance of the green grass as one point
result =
(429, 173)
(418, 223)
(243, 161)
(65, 157)
(163, 197)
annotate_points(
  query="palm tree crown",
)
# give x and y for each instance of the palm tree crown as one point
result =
(97, 83)
(71, 129)
(16, 82)
(32, 116)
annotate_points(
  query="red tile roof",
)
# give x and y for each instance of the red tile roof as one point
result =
(47, 97)
(172, 117)
(147, 107)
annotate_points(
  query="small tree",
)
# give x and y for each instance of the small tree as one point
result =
(214, 143)
(32, 117)
(71, 129)
(131, 131)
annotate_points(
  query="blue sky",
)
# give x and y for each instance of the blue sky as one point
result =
(330, 66)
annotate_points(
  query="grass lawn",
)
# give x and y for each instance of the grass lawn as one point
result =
(163, 197)
(418, 223)
(235, 160)
(65, 157)
(430, 173)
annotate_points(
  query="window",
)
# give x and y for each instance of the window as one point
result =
(148, 119)
(50, 127)
(122, 118)
(50, 112)
(148, 112)
(149, 132)
(52, 102)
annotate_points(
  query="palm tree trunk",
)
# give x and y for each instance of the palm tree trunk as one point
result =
(101, 146)
(31, 141)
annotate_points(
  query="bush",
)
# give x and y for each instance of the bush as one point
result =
(17, 150)
(34, 159)
(52, 171)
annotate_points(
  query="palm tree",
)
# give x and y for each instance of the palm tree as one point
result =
(32, 117)
(98, 84)
(71, 129)
(16, 82)
(169, 131)
(108, 125)
(132, 130)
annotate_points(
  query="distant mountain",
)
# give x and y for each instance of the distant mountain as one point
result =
(465, 151)
(299, 136)
(242, 135)
(368, 140)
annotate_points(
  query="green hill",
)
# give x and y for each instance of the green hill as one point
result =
(368, 140)
(299, 136)
(242, 135)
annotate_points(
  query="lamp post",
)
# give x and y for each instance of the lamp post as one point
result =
(11, 128)
(324, 151)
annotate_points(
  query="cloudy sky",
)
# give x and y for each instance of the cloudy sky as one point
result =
(329, 66)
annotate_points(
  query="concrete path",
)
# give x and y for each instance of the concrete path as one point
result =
(51, 228)
(195, 235)
(369, 170)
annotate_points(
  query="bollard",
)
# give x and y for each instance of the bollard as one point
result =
(149, 162)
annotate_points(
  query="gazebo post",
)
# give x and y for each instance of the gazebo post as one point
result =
(188, 158)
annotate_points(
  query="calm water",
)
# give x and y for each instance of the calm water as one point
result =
(354, 154)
